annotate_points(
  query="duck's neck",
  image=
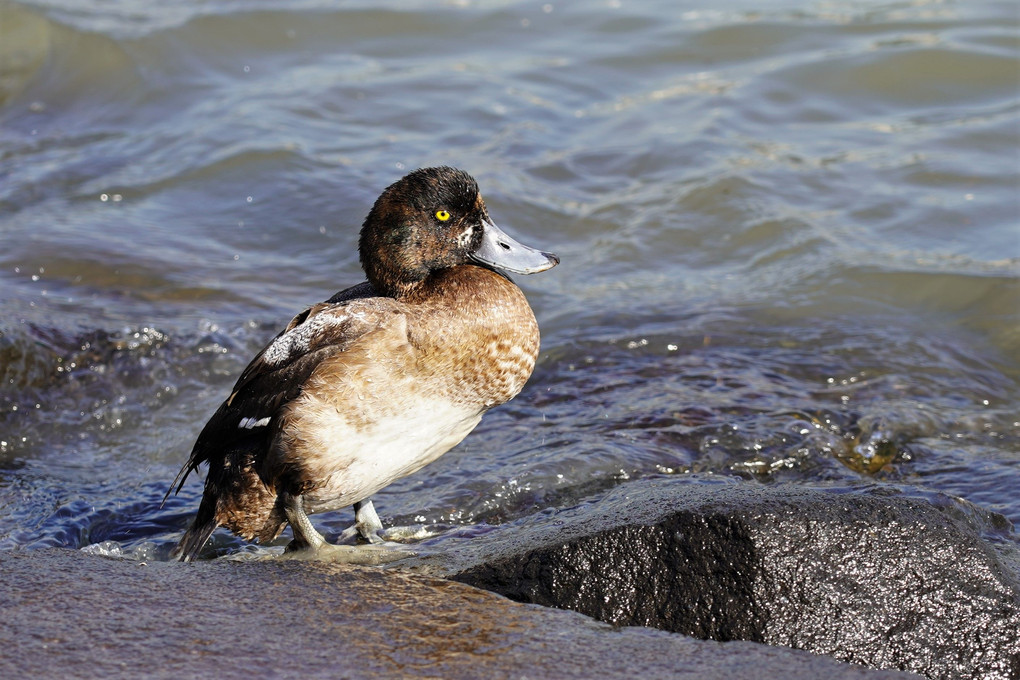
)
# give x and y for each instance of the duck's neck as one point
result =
(438, 284)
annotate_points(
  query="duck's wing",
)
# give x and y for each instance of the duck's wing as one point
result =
(277, 374)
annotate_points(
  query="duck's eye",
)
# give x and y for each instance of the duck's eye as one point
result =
(442, 215)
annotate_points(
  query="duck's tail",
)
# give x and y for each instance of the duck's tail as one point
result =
(198, 533)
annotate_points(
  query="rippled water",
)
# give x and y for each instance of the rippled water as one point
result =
(790, 235)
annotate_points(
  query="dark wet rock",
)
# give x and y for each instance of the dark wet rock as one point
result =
(868, 577)
(68, 614)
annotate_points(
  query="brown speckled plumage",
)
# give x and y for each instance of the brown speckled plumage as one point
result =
(381, 379)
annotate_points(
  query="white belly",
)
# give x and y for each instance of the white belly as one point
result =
(357, 458)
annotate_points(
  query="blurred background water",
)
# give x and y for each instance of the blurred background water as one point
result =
(789, 231)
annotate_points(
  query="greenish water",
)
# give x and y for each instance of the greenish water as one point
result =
(789, 231)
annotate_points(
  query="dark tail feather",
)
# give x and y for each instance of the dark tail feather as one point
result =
(178, 482)
(198, 533)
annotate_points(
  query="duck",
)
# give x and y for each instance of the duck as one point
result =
(379, 380)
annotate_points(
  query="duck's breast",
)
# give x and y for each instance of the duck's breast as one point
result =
(368, 416)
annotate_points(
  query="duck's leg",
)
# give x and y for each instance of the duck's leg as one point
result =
(305, 535)
(309, 543)
(367, 521)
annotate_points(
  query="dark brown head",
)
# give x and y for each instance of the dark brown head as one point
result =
(434, 219)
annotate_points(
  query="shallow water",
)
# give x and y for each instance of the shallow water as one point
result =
(789, 231)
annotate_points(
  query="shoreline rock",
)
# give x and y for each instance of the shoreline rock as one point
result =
(872, 578)
(69, 614)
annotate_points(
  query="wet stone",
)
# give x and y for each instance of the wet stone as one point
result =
(70, 614)
(868, 577)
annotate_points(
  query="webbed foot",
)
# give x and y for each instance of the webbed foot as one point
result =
(347, 554)
(308, 543)
(367, 524)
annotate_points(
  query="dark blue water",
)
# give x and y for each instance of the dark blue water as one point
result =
(790, 235)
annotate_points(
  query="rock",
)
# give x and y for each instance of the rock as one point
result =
(68, 614)
(867, 577)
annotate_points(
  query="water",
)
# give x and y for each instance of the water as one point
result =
(789, 231)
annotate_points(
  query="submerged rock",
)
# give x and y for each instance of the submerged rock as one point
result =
(870, 578)
(66, 613)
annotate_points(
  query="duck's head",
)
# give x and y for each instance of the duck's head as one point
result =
(434, 219)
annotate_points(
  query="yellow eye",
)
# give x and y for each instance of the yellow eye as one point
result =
(442, 215)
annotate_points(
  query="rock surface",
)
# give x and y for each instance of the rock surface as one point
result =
(873, 578)
(68, 614)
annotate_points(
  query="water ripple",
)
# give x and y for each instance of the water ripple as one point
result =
(788, 241)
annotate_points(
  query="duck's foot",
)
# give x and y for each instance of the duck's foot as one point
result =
(308, 544)
(347, 554)
(366, 524)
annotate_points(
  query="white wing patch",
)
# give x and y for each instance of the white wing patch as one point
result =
(297, 340)
(252, 423)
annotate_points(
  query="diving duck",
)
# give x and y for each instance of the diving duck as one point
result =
(379, 380)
